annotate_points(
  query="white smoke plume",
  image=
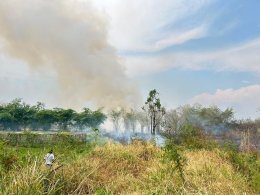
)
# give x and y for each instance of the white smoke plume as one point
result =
(70, 38)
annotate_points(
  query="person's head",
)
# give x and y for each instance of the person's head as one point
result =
(51, 151)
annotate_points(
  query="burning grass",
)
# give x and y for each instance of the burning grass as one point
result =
(137, 168)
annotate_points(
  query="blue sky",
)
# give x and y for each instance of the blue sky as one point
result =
(191, 51)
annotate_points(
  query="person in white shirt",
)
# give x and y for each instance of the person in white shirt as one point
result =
(49, 158)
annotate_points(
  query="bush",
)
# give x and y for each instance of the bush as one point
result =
(230, 146)
(194, 138)
(7, 157)
(171, 154)
(64, 138)
(8, 161)
(249, 165)
(30, 139)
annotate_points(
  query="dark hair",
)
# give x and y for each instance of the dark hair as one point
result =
(51, 151)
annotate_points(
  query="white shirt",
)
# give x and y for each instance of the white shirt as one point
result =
(49, 158)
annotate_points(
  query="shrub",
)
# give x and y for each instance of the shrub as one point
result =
(193, 137)
(7, 157)
(172, 155)
(230, 146)
(249, 165)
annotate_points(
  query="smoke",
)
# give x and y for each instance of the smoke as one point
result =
(70, 38)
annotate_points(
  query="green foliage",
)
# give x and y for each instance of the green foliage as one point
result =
(115, 116)
(18, 115)
(249, 166)
(65, 138)
(229, 146)
(154, 109)
(65, 117)
(19, 156)
(14, 159)
(247, 163)
(101, 191)
(214, 116)
(116, 169)
(33, 139)
(8, 158)
(45, 119)
(193, 138)
(208, 119)
(189, 132)
(89, 118)
(130, 118)
(172, 155)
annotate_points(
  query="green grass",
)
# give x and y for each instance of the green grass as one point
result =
(138, 168)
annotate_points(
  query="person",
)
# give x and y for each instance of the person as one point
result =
(49, 158)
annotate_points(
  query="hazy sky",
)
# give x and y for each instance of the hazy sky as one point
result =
(204, 51)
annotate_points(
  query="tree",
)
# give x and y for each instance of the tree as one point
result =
(125, 116)
(6, 120)
(215, 116)
(209, 119)
(89, 118)
(65, 117)
(45, 119)
(248, 133)
(115, 116)
(22, 113)
(130, 119)
(143, 120)
(18, 115)
(132, 115)
(171, 122)
(154, 109)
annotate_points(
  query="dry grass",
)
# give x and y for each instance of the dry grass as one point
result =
(131, 169)
(29, 180)
(114, 168)
(207, 172)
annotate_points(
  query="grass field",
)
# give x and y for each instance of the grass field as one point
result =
(138, 168)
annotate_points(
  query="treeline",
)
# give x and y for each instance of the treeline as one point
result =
(209, 119)
(195, 124)
(18, 115)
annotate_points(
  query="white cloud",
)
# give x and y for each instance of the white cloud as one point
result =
(245, 101)
(176, 38)
(145, 25)
(244, 57)
(150, 26)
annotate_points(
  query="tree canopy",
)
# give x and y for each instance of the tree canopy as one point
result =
(17, 116)
(154, 109)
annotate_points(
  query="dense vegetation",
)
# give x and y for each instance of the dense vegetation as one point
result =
(138, 168)
(18, 115)
(192, 161)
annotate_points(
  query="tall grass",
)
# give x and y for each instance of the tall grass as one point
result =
(137, 168)
(34, 139)
(246, 163)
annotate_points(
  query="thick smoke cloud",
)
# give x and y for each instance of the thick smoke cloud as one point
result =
(70, 38)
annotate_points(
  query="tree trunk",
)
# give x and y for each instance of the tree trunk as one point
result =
(151, 128)
(154, 124)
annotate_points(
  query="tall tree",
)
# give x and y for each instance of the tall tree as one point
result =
(115, 116)
(143, 120)
(17, 115)
(154, 109)
(130, 119)
(89, 118)
(65, 117)
(45, 119)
